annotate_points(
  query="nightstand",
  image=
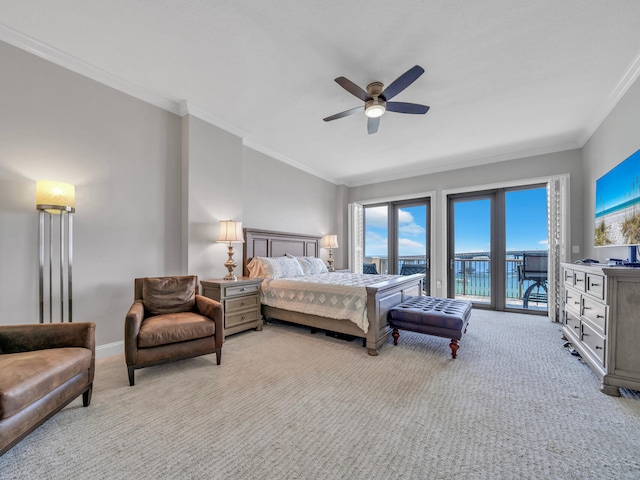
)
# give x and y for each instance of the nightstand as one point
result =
(240, 299)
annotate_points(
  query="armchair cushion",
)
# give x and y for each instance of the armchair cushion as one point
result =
(163, 295)
(173, 328)
(29, 376)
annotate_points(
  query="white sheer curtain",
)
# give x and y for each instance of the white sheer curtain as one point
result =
(559, 239)
(356, 242)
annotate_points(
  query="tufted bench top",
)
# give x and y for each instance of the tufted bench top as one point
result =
(446, 313)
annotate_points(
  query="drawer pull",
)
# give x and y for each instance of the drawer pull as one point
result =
(579, 280)
(576, 303)
(599, 316)
(597, 347)
(587, 308)
(242, 318)
(243, 304)
(595, 284)
(585, 334)
(242, 289)
(576, 326)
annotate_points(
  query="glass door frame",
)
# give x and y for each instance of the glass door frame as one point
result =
(498, 247)
(494, 243)
(392, 232)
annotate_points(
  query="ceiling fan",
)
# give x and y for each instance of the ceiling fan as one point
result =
(376, 98)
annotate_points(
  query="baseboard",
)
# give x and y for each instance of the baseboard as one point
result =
(109, 350)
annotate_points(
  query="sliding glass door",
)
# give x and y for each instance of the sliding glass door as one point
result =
(397, 238)
(498, 249)
(471, 248)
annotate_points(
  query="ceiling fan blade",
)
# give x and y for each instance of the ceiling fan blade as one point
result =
(353, 89)
(403, 107)
(346, 113)
(402, 82)
(372, 125)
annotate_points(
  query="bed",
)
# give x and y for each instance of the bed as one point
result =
(380, 295)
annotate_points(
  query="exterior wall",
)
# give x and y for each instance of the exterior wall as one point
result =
(568, 162)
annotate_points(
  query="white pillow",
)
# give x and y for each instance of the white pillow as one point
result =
(312, 265)
(274, 267)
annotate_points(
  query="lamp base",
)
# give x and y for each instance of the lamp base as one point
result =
(230, 264)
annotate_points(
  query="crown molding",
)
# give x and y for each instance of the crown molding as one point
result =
(284, 159)
(187, 108)
(452, 163)
(627, 80)
(58, 57)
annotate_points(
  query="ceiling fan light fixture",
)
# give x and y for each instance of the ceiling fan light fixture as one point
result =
(375, 108)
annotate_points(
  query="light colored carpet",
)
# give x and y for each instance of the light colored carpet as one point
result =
(286, 404)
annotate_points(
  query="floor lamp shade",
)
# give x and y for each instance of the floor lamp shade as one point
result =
(55, 247)
(55, 196)
(230, 233)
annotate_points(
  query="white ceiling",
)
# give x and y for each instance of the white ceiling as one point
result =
(504, 78)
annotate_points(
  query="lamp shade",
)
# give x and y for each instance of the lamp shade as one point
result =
(230, 232)
(55, 196)
(329, 241)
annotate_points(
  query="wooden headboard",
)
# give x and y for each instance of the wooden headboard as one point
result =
(267, 243)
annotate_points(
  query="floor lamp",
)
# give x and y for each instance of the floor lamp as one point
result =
(55, 199)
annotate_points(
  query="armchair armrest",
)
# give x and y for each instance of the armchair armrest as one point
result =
(40, 336)
(132, 323)
(215, 311)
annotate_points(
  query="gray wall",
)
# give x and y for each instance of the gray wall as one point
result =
(277, 196)
(568, 162)
(150, 189)
(616, 138)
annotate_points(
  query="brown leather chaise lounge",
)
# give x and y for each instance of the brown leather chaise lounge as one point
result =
(170, 321)
(43, 367)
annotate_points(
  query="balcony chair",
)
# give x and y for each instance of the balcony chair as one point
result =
(170, 321)
(370, 269)
(534, 268)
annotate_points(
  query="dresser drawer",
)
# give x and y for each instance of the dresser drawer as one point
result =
(579, 280)
(247, 316)
(572, 300)
(595, 285)
(593, 341)
(595, 312)
(568, 276)
(241, 303)
(573, 322)
(241, 290)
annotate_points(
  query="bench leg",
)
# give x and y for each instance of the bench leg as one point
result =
(454, 347)
(395, 334)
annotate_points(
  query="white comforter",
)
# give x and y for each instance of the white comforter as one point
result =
(334, 295)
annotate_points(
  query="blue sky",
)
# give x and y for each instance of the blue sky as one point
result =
(526, 217)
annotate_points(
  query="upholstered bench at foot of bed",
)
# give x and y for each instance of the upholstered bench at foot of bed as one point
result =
(442, 317)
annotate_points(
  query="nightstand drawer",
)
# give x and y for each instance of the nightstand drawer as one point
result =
(595, 312)
(593, 341)
(241, 290)
(235, 319)
(242, 303)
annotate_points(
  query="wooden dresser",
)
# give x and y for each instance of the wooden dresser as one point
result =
(240, 299)
(602, 321)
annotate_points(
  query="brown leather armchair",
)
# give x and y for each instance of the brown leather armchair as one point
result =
(170, 321)
(43, 367)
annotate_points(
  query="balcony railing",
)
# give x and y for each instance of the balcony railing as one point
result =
(473, 277)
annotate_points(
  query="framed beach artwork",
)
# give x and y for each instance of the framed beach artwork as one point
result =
(617, 213)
